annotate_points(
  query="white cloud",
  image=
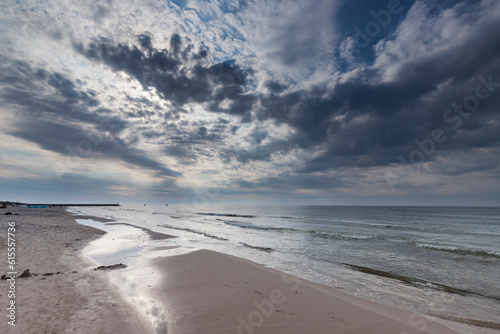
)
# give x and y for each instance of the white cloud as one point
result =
(423, 35)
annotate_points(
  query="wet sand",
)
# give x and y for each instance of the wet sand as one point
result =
(212, 293)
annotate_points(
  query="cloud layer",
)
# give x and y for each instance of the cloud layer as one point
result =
(258, 99)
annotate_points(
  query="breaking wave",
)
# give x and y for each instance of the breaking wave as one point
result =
(337, 236)
(342, 236)
(460, 251)
(264, 249)
(225, 215)
(256, 227)
(419, 283)
(185, 229)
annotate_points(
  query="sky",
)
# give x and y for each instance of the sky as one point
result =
(338, 102)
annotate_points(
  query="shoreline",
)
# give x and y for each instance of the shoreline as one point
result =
(211, 292)
(184, 290)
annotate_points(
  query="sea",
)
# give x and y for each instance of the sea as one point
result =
(438, 261)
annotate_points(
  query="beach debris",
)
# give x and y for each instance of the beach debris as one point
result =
(25, 274)
(112, 267)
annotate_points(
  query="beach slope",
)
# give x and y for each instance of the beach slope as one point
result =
(212, 293)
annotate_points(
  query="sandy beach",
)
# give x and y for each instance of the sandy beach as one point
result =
(209, 292)
(67, 295)
(196, 291)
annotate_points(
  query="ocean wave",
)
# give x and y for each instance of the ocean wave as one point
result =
(473, 322)
(413, 228)
(225, 215)
(420, 283)
(136, 210)
(185, 229)
(460, 251)
(342, 236)
(294, 219)
(427, 285)
(337, 236)
(417, 282)
(256, 227)
(264, 249)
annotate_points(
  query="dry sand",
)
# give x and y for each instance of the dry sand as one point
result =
(78, 300)
(200, 291)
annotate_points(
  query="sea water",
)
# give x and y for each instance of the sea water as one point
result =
(442, 261)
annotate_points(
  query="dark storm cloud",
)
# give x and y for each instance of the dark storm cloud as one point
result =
(40, 94)
(180, 75)
(364, 122)
(59, 116)
(71, 141)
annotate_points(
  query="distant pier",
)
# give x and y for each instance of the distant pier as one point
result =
(53, 204)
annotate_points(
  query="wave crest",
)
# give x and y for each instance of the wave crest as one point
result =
(264, 249)
(342, 236)
(225, 215)
(336, 236)
(185, 229)
(256, 227)
(460, 251)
